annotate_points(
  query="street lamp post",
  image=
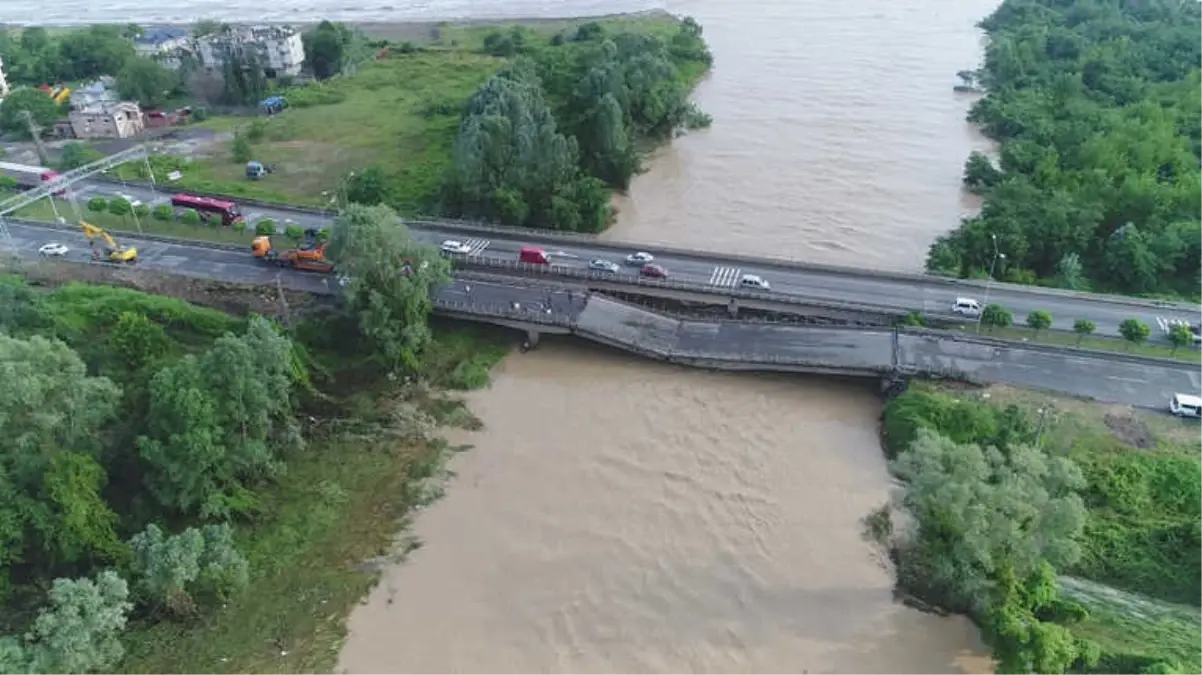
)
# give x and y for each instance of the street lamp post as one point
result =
(997, 254)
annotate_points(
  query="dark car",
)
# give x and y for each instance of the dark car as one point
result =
(653, 271)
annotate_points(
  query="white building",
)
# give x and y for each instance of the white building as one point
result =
(278, 49)
(3, 81)
(108, 119)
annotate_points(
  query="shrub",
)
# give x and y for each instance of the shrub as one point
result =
(98, 205)
(141, 210)
(163, 212)
(294, 232)
(265, 227)
(190, 217)
(200, 114)
(119, 207)
(239, 226)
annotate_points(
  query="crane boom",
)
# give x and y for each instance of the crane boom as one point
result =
(65, 180)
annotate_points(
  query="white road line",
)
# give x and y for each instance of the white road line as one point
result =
(477, 245)
(725, 276)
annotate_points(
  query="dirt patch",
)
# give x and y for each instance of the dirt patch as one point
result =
(236, 299)
(1129, 430)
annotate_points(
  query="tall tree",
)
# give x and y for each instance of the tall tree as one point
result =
(31, 101)
(390, 276)
(79, 632)
(146, 82)
(325, 48)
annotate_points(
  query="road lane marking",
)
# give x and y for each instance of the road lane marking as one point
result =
(477, 246)
(725, 276)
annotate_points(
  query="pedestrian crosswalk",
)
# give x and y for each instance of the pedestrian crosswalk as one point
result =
(1166, 325)
(477, 246)
(725, 276)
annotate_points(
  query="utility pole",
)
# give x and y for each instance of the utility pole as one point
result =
(35, 131)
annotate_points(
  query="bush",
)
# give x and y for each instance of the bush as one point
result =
(141, 210)
(323, 235)
(318, 93)
(163, 212)
(256, 131)
(996, 316)
(200, 114)
(240, 149)
(190, 217)
(98, 205)
(119, 207)
(294, 232)
(239, 226)
(265, 227)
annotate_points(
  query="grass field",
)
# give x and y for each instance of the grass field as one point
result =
(1155, 347)
(42, 210)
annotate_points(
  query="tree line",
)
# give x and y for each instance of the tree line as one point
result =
(139, 430)
(997, 512)
(543, 142)
(1096, 108)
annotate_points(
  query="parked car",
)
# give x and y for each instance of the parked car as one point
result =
(641, 258)
(53, 249)
(454, 247)
(1185, 405)
(653, 271)
(600, 265)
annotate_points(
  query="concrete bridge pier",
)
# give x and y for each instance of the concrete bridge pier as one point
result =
(531, 340)
(733, 308)
(893, 386)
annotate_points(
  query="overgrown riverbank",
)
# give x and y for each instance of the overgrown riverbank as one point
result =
(1008, 490)
(416, 127)
(225, 481)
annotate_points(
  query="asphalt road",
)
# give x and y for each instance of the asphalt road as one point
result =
(933, 298)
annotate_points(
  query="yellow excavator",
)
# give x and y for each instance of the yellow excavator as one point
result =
(107, 249)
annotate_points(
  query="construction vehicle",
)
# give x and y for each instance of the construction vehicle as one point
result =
(107, 249)
(310, 256)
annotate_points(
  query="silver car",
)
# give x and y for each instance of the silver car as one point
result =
(600, 265)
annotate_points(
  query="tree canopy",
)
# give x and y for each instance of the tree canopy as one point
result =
(541, 143)
(146, 82)
(34, 57)
(1096, 107)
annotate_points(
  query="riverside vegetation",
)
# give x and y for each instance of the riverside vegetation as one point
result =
(172, 475)
(1095, 105)
(1072, 537)
(511, 124)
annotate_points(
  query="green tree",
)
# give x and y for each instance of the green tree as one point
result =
(1083, 327)
(94, 51)
(189, 217)
(1022, 642)
(137, 340)
(256, 130)
(50, 407)
(79, 631)
(146, 82)
(325, 48)
(27, 100)
(141, 210)
(163, 212)
(119, 206)
(294, 233)
(265, 226)
(1070, 273)
(240, 149)
(1134, 331)
(978, 511)
(98, 205)
(217, 422)
(1180, 336)
(171, 571)
(996, 316)
(368, 187)
(1039, 320)
(391, 301)
(75, 155)
(980, 174)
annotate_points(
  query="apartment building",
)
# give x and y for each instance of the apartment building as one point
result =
(278, 49)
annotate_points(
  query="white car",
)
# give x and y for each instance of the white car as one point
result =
(53, 249)
(455, 247)
(600, 265)
(1185, 405)
(754, 281)
(966, 307)
(641, 258)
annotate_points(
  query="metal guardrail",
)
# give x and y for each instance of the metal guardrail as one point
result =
(545, 236)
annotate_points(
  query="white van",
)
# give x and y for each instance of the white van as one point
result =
(966, 307)
(1184, 405)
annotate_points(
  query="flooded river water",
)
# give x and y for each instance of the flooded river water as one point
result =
(618, 515)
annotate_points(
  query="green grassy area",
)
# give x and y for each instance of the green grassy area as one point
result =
(399, 113)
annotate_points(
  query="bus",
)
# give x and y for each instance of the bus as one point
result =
(227, 211)
(28, 177)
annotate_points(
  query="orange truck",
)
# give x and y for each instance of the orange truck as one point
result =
(309, 256)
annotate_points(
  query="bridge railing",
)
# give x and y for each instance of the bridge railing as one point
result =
(624, 280)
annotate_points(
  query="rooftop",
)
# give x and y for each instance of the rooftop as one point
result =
(157, 36)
